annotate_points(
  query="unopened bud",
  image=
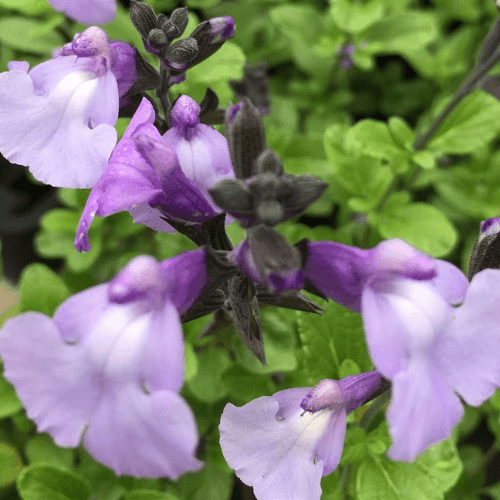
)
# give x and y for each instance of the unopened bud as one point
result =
(180, 18)
(486, 251)
(143, 17)
(157, 39)
(183, 51)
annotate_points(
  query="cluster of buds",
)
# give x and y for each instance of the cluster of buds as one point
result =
(159, 32)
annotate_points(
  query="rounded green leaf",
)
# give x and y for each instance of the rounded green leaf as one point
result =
(41, 290)
(44, 482)
(421, 225)
(10, 464)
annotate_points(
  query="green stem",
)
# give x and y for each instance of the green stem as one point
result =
(465, 89)
(162, 93)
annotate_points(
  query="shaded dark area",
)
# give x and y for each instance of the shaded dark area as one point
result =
(22, 203)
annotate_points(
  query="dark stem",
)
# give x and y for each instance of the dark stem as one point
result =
(465, 89)
(162, 93)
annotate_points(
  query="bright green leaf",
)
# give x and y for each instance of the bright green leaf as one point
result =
(10, 465)
(330, 339)
(401, 33)
(43, 482)
(9, 402)
(29, 35)
(41, 290)
(149, 495)
(31, 7)
(41, 448)
(429, 477)
(353, 17)
(473, 123)
(421, 225)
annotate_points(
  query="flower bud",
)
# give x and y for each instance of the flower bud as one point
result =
(143, 17)
(486, 251)
(180, 19)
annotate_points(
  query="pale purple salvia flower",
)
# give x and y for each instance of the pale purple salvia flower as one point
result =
(429, 349)
(107, 368)
(282, 445)
(146, 178)
(87, 11)
(203, 152)
(58, 118)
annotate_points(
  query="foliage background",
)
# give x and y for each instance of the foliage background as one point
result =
(354, 128)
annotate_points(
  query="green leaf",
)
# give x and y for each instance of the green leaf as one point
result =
(330, 339)
(41, 290)
(191, 361)
(374, 138)
(429, 477)
(9, 402)
(41, 448)
(42, 481)
(10, 464)
(424, 159)
(243, 385)
(401, 33)
(419, 224)
(361, 175)
(473, 123)
(31, 7)
(402, 134)
(29, 35)
(206, 385)
(354, 17)
(149, 495)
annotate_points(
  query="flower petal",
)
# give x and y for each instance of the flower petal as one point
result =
(331, 445)
(184, 278)
(75, 316)
(144, 435)
(468, 350)
(150, 217)
(87, 11)
(450, 281)
(273, 454)
(51, 378)
(162, 365)
(423, 411)
(50, 133)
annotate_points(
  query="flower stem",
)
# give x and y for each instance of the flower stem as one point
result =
(162, 93)
(465, 89)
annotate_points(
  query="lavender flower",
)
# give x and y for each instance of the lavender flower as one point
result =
(107, 368)
(58, 118)
(430, 350)
(145, 176)
(87, 11)
(282, 445)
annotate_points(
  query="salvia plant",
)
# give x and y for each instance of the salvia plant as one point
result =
(272, 317)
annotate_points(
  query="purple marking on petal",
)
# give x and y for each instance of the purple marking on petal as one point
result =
(489, 227)
(122, 65)
(92, 42)
(185, 115)
(396, 257)
(327, 395)
(338, 271)
(233, 112)
(222, 28)
(184, 277)
(357, 389)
